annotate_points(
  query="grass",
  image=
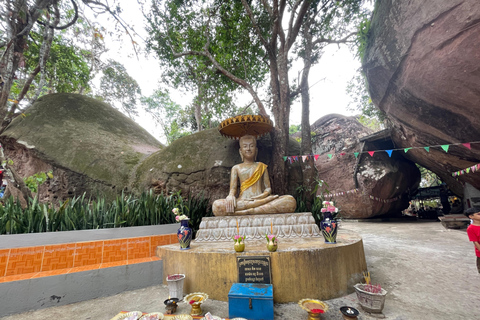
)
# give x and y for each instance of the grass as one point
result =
(80, 213)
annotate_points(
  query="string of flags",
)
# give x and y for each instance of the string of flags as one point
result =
(342, 193)
(384, 200)
(472, 169)
(354, 191)
(444, 147)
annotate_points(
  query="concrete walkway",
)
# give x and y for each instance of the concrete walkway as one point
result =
(428, 271)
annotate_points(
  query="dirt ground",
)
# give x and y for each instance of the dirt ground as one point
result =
(428, 271)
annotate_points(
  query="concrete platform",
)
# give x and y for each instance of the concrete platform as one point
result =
(301, 267)
(428, 271)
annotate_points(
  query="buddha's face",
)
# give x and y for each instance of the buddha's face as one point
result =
(248, 148)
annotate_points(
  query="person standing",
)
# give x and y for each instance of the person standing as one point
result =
(473, 231)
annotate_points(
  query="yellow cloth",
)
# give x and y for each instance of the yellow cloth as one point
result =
(254, 178)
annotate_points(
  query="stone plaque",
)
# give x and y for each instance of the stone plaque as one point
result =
(254, 269)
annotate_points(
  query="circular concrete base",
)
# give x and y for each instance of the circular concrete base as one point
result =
(300, 268)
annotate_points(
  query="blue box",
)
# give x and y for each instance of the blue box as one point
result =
(253, 301)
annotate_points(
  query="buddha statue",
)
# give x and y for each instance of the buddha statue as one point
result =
(255, 191)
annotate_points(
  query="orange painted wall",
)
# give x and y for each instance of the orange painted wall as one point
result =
(39, 261)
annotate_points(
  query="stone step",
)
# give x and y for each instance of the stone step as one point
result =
(285, 225)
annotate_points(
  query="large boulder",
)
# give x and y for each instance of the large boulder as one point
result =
(89, 146)
(201, 163)
(387, 179)
(422, 66)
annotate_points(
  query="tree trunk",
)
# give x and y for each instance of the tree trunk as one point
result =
(198, 108)
(308, 167)
(281, 112)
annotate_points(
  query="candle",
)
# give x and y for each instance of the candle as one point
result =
(271, 227)
(238, 232)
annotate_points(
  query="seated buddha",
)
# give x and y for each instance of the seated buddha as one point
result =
(255, 191)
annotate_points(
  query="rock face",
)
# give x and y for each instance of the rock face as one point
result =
(201, 163)
(381, 176)
(422, 66)
(89, 146)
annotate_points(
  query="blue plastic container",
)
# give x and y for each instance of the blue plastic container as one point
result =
(253, 301)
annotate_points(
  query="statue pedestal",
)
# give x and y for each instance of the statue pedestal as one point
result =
(302, 267)
(285, 225)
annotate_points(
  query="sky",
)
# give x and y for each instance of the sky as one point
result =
(328, 79)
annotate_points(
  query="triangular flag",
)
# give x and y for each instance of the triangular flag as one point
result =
(329, 156)
(427, 148)
(406, 149)
(304, 158)
(371, 153)
(356, 154)
(389, 152)
(284, 158)
(295, 158)
(468, 170)
(445, 147)
(467, 145)
(316, 156)
(342, 153)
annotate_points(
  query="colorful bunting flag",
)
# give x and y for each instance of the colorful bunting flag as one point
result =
(371, 153)
(467, 145)
(304, 158)
(284, 158)
(329, 156)
(389, 153)
(427, 148)
(316, 157)
(406, 149)
(445, 147)
(356, 154)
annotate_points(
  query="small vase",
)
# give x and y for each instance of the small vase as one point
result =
(329, 228)
(239, 246)
(184, 235)
(272, 246)
(313, 316)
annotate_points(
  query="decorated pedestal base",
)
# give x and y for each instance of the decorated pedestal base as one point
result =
(211, 267)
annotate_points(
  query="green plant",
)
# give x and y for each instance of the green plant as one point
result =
(32, 182)
(80, 212)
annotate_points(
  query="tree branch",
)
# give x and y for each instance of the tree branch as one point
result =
(255, 24)
(225, 72)
(75, 7)
(292, 34)
(343, 40)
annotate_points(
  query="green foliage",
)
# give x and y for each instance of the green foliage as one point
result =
(67, 68)
(224, 29)
(361, 102)
(315, 200)
(363, 35)
(172, 118)
(294, 128)
(36, 180)
(79, 213)
(118, 86)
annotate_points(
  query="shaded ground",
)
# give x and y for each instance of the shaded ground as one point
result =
(428, 271)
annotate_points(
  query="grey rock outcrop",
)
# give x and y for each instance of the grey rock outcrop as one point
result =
(89, 146)
(380, 176)
(422, 66)
(201, 163)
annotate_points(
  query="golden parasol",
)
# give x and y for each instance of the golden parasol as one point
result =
(237, 127)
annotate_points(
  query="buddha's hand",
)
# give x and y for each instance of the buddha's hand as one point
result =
(230, 204)
(261, 196)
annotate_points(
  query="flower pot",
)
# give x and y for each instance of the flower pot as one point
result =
(329, 229)
(175, 286)
(184, 235)
(272, 246)
(370, 302)
(239, 246)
